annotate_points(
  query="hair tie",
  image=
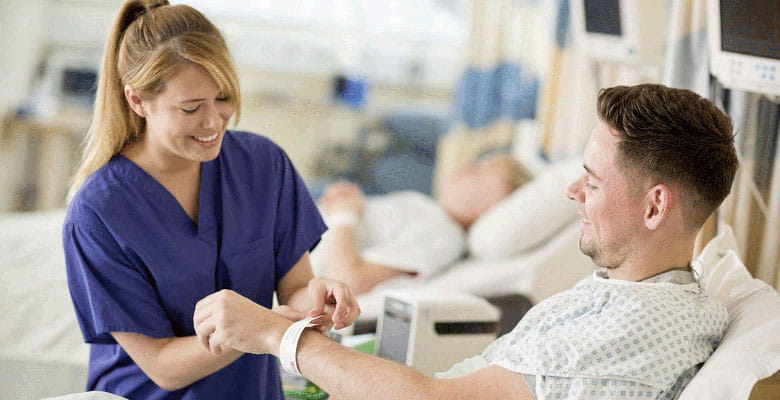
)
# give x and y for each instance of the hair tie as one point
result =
(157, 4)
(149, 8)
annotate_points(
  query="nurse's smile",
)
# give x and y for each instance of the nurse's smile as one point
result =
(207, 139)
(186, 122)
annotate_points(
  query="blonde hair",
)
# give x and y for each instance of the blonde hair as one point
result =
(148, 42)
(516, 173)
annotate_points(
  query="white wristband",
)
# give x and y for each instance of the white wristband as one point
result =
(288, 348)
(341, 218)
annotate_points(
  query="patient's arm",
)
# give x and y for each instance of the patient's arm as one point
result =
(342, 372)
(347, 374)
(346, 265)
(173, 362)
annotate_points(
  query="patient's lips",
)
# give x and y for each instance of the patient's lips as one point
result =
(585, 219)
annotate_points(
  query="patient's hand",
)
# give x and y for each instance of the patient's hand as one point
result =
(342, 197)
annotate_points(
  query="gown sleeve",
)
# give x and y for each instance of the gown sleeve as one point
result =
(109, 291)
(299, 225)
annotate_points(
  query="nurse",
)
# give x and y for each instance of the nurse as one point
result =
(168, 207)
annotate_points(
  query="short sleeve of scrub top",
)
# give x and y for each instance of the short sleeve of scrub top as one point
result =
(137, 263)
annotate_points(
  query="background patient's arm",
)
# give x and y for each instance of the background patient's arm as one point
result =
(173, 362)
(347, 266)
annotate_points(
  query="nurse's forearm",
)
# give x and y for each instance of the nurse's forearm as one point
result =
(173, 362)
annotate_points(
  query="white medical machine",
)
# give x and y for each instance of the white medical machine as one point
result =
(620, 31)
(431, 331)
(744, 44)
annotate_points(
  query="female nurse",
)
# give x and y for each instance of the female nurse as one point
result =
(168, 207)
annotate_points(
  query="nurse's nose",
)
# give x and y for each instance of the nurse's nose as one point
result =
(212, 120)
(574, 191)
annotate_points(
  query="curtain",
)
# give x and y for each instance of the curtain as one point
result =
(499, 88)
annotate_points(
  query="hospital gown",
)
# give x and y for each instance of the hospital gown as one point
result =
(611, 339)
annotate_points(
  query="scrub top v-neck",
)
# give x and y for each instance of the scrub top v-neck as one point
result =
(138, 263)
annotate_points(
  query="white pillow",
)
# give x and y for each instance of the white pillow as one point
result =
(750, 349)
(527, 217)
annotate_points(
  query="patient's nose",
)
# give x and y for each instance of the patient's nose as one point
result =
(574, 191)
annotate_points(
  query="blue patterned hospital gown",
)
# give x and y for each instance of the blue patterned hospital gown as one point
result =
(612, 339)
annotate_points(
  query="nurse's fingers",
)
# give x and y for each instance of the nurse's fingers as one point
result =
(353, 312)
(204, 330)
(215, 343)
(350, 312)
(201, 313)
(342, 296)
(204, 306)
(318, 293)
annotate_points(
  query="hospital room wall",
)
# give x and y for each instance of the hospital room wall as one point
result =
(287, 95)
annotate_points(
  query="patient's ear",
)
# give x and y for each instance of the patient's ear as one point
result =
(657, 205)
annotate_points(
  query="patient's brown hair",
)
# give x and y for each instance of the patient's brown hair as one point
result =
(673, 136)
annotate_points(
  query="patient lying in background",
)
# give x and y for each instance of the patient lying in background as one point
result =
(404, 235)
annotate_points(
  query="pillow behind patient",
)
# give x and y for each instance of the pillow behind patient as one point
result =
(750, 348)
(529, 216)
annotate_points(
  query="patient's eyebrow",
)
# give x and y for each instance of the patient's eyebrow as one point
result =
(591, 172)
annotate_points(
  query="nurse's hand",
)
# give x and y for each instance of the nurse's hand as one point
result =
(334, 301)
(226, 318)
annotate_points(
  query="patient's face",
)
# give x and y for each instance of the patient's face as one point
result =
(475, 188)
(611, 211)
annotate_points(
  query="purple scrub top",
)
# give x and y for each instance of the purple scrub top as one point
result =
(137, 263)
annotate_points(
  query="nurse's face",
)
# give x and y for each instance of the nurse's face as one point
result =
(188, 119)
(611, 209)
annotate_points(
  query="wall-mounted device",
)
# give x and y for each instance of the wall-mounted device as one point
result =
(433, 330)
(744, 44)
(67, 79)
(621, 31)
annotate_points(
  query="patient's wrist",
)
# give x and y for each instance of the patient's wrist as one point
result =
(341, 218)
(273, 338)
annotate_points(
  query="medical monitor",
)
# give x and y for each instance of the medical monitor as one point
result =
(620, 31)
(744, 44)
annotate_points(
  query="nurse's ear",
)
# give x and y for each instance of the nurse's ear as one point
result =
(135, 101)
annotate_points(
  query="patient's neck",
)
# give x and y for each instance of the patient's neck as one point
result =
(654, 256)
(461, 218)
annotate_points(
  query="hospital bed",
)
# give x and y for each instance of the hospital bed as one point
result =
(42, 353)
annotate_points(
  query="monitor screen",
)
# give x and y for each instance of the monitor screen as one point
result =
(603, 16)
(750, 27)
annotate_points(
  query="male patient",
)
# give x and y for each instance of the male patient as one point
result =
(407, 234)
(658, 164)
